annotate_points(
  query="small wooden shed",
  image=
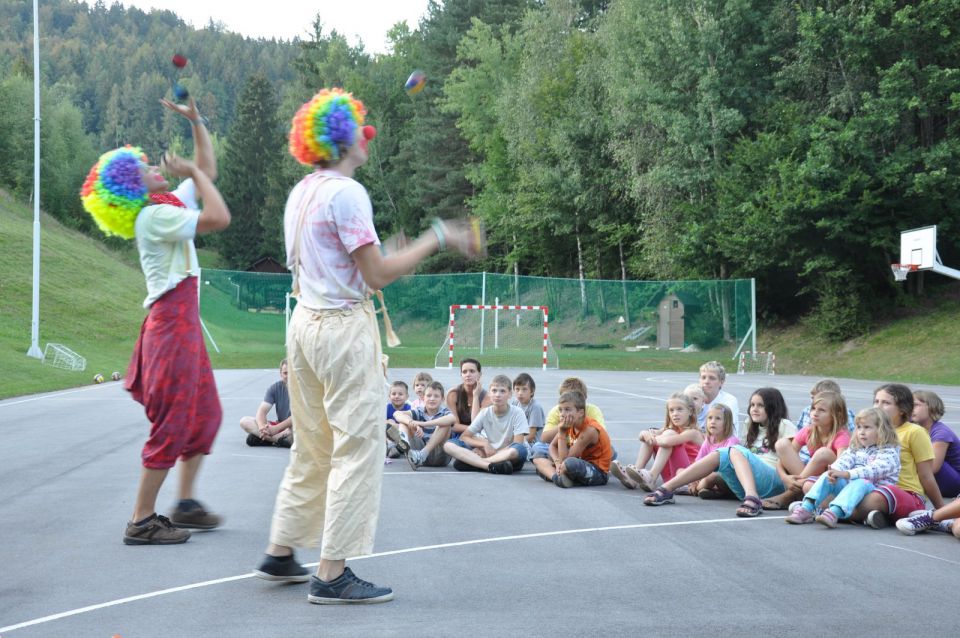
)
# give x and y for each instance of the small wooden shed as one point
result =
(670, 323)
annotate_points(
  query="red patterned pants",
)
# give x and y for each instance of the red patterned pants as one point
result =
(170, 375)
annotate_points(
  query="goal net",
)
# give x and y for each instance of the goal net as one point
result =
(756, 363)
(501, 336)
(60, 356)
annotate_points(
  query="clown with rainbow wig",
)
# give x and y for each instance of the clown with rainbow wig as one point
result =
(169, 372)
(330, 494)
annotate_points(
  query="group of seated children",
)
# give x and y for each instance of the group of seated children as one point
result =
(878, 466)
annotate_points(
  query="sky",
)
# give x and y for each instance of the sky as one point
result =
(367, 20)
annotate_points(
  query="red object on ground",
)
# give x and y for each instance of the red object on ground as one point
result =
(179, 61)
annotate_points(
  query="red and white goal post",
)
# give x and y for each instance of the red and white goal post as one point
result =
(757, 363)
(504, 335)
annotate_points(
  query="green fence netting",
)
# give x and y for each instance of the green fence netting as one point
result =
(245, 312)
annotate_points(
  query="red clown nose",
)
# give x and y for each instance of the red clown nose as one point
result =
(369, 133)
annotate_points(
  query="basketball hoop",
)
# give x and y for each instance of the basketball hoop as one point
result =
(900, 271)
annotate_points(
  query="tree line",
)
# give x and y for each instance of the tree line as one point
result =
(790, 141)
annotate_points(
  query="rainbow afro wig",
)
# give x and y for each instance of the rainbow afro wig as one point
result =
(114, 192)
(326, 126)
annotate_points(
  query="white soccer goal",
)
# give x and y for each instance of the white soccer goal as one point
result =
(757, 363)
(504, 336)
(60, 356)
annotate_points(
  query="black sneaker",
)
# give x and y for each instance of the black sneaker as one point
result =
(285, 569)
(503, 467)
(255, 441)
(347, 590)
(286, 441)
(460, 466)
(156, 530)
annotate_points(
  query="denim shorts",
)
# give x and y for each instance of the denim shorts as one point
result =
(766, 477)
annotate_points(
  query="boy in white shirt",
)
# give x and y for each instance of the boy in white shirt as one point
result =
(712, 376)
(494, 442)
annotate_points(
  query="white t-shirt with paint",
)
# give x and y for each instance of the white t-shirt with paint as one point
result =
(334, 217)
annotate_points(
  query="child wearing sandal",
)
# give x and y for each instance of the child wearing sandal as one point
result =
(748, 470)
(673, 447)
(872, 459)
(826, 437)
(719, 435)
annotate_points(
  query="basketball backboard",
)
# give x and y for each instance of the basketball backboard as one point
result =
(919, 247)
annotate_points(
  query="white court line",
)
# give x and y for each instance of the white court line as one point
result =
(629, 394)
(395, 552)
(913, 551)
(52, 396)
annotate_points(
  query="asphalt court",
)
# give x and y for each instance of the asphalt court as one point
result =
(466, 553)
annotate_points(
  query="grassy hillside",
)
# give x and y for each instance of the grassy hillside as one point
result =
(91, 301)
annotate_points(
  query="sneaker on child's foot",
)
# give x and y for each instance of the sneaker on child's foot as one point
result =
(393, 432)
(800, 516)
(194, 516)
(828, 518)
(284, 441)
(917, 523)
(155, 530)
(393, 452)
(281, 569)
(876, 519)
(395, 435)
(255, 441)
(945, 526)
(562, 480)
(501, 467)
(415, 459)
(793, 506)
(347, 590)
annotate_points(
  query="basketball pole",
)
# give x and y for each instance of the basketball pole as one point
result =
(34, 350)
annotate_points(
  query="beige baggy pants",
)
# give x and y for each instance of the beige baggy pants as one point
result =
(330, 494)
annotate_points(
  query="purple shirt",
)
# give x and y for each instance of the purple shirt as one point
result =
(940, 432)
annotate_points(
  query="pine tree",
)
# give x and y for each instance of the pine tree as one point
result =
(252, 157)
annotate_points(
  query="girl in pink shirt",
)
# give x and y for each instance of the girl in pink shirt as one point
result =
(719, 435)
(827, 436)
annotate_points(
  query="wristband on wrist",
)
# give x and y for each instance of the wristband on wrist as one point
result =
(437, 226)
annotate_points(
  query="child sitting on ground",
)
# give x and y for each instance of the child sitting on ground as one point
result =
(872, 459)
(494, 441)
(524, 389)
(420, 383)
(541, 450)
(423, 431)
(916, 480)
(826, 436)
(673, 447)
(699, 399)
(719, 435)
(928, 409)
(581, 451)
(398, 401)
